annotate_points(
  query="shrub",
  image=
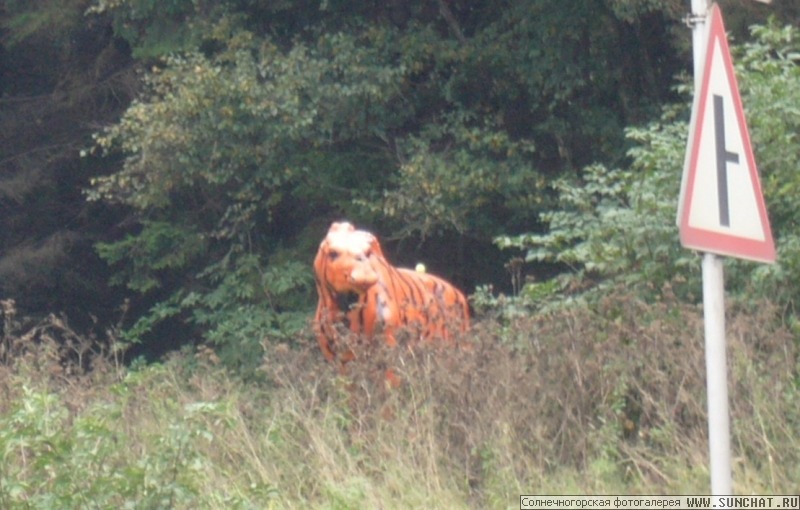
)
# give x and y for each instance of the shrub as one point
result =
(618, 224)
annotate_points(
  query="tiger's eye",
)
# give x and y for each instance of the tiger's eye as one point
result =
(333, 255)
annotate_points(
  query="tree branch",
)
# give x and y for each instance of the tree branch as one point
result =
(451, 20)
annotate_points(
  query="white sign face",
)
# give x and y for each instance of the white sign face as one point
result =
(723, 173)
(721, 206)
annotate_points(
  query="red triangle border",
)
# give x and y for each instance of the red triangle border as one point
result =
(711, 241)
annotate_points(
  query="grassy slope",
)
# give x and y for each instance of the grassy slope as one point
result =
(605, 399)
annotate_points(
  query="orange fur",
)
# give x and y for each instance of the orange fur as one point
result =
(360, 289)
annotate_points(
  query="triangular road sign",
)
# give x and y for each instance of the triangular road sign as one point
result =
(721, 208)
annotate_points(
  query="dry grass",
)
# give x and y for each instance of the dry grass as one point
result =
(602, 399)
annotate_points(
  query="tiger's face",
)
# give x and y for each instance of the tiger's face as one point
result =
(344, 259)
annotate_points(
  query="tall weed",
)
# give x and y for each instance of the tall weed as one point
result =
(607, 397)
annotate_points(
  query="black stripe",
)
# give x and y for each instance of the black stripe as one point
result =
(413, 284)
(402, 299)
(363, 304)
(410, 284)
(393, 292)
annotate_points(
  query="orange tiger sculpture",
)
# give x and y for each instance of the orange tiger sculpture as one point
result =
(360, 289)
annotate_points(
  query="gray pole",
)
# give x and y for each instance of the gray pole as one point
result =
(714, 312)
(719, 440)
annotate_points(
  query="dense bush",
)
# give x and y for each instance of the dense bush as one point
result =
(618, 224)
(258, 125)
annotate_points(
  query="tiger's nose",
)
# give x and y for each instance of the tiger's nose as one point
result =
(363, 277)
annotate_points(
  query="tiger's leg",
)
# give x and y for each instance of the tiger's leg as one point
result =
(324, 333)
(325, 347)
(327, 338)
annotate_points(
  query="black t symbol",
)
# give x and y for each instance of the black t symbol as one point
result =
(723, 158)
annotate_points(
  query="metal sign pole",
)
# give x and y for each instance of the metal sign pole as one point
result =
(719, 442)
(714, 314)
(698, 23)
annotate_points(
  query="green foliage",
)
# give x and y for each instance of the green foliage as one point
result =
(264, 122)
(233, 137)
(481, 169)
(630, 10)
(215, 154)
(54, 460)
(558, 90)
(159, 247)
(153, 27)
(612, 401)
(243, 305)
(769, 78)
(56, 20)
(251, 305)
(619, 224)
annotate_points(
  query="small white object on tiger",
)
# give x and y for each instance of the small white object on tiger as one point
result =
(420, 267)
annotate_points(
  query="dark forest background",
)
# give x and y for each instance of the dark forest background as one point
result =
(169, 167)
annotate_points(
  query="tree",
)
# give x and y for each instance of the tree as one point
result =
(618, 224)
(426, 122)
(440, 124)
(60, 76)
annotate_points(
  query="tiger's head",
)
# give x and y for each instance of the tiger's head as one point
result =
(343, 263)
